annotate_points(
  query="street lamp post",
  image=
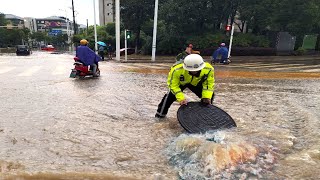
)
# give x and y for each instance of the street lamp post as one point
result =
(95, 27)
(74, 19)
(155, 22)
(117, 30)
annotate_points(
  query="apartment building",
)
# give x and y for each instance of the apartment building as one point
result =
(106, 11)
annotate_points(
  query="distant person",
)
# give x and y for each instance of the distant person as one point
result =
(193, 51)
(223, 52)
(110, 51)
(189, 50)
(87, 56)
(101, 52)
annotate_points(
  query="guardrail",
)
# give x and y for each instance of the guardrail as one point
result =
(7, 50)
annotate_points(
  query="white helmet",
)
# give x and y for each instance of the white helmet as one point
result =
(193, 62)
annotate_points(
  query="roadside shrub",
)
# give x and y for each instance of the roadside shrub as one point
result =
(300, 51)
(206, 40)
(250, 40)
(243, 51)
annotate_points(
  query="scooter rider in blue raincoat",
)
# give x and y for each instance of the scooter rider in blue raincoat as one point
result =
(223, 51)
(87, 56)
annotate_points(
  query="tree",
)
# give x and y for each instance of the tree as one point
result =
(134, 14)
(3, 21)
(39, 36)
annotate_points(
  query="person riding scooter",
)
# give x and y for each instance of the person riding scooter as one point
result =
(87, 56)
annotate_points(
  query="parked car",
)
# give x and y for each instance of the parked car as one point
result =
(48, 48)
(23, 50)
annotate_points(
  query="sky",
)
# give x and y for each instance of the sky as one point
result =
(45, 8)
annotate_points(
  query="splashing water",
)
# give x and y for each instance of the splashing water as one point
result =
(221, 154)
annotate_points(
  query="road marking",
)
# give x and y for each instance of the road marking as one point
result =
(6, 69)
(314, 68)
(30, 71)
(260, 65)
(293, 66)
(280, 66)
(311, 70)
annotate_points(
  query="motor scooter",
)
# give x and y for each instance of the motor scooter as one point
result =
(81, 71)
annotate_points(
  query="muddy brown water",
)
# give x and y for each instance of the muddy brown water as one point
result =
(53, 127)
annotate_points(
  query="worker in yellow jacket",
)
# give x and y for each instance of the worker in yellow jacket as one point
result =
(194, 74)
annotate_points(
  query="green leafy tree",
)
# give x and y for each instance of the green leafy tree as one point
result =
(134, 14)
(38, 36)
(3, 21)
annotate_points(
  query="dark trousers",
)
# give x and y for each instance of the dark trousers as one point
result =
(169, 98)
(93, 68)
(101, 53)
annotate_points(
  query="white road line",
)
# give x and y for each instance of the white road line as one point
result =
(6, 69)
(311, 70)
(30, 71)
(293, 66)
(255, 65)
(275, 67)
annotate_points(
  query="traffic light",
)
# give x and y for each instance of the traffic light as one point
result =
(128, 34)
(228, 27)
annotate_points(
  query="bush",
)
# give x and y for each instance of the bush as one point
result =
(250, 40)
(243, 51)
(300, 51)
(206, 40)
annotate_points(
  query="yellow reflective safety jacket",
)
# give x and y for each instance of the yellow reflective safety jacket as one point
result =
(179, 77)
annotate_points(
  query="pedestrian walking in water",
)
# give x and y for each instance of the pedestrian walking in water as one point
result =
(101, 52)
(110, 51)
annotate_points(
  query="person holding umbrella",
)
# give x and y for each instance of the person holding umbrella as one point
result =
(101, 49)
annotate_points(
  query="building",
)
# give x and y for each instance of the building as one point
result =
(31, 24)
(14, 21)
(106, 11)
(51, 24)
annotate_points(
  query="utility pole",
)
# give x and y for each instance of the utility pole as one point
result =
(125, 46)
(231, 38)
(95, 27)
(117, 30)
(155, 22)
(87, 27)
(74, 20)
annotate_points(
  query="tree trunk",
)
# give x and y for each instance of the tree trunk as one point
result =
(137, 41)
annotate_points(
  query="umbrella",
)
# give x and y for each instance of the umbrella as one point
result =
(197, 118)
(101, 43)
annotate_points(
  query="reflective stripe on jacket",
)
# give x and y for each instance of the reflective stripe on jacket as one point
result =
(179, 77)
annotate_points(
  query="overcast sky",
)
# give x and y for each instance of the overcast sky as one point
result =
(46, 8)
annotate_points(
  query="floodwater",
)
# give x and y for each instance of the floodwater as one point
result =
(54, 127)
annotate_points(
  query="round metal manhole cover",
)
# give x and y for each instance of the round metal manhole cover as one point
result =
(199, 118)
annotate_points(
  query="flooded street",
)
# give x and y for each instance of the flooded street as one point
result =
(52, 126)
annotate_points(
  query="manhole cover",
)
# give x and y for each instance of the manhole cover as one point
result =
(199, 118)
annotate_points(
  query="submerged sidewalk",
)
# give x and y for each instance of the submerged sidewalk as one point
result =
(234, 59)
